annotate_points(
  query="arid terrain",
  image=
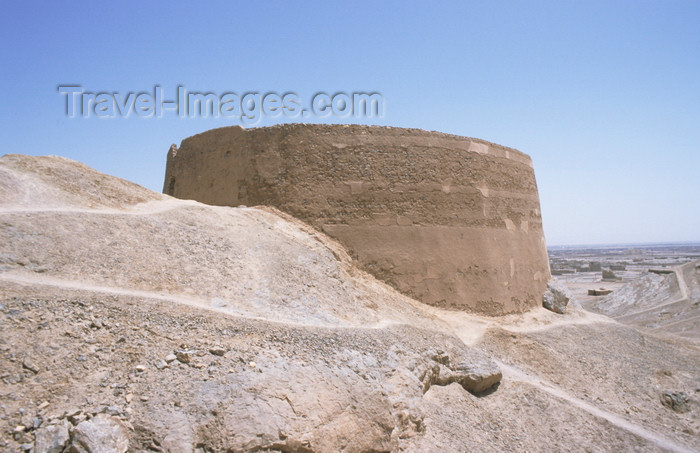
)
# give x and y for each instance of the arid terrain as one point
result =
(655, 286)
(134, 321)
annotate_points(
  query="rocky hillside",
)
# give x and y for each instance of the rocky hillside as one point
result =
(132, 321)
(666, 303)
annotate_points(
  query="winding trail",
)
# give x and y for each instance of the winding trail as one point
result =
(182, 299)
(470, 328)
(467, 327)
(515, 374)
(149, 207)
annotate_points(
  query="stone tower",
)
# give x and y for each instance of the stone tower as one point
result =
(451, 221)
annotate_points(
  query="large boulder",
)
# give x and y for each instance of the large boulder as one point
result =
(557, 297)
(474, 371)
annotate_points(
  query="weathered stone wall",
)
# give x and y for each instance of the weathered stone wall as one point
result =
(452, 221)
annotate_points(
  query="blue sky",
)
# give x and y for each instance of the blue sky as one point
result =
(605, 96)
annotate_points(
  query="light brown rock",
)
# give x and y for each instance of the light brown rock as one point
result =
(557, 297)
(338, 355)
(475, 372)
(51, 438)
(101, 434)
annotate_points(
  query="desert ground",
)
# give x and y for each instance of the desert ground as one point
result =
(134, 321)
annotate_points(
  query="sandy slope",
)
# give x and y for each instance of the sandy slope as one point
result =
(667, 303)
(285, 345)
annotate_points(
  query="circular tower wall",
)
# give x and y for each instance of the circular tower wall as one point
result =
(451, 221)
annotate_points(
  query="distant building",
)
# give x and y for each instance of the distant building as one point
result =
(599, 292)
(609, 276)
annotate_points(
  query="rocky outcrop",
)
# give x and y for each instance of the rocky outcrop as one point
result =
(239, 329)
(192, 328)
(452, 221)
(474, 372)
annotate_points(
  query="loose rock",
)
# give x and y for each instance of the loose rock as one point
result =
(676, 401)
(557, 297)
(51, 438)
(102, 434)
(217, 351)
(29, 365)
(184, 356)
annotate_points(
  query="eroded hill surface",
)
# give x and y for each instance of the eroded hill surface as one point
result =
(136, 321)
(667, 302)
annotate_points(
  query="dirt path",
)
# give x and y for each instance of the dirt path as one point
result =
(471, 328)
(149, 207)
(675, 323)
(513, 373)
(34, 280)
(681, 282)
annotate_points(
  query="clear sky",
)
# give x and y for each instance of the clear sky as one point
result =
(604, 95)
